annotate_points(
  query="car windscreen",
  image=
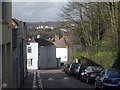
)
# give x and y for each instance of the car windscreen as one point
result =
(113, 72)
(83, 67)
(75, 65)
(96, 68)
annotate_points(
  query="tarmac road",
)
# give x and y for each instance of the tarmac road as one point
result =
(58, 79)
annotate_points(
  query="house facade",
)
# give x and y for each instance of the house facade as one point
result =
(0, 43)
(19, 52)
(32, 55)
(61, 50)
(7, 64)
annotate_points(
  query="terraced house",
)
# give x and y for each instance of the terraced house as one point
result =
(13, 58)
(6, 43)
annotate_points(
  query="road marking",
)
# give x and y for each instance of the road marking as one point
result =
(39, 80)
(66, 78)
(50, 79)
(34, 81)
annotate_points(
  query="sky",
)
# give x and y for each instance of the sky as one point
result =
(37, 11)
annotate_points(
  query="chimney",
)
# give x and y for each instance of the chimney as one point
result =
(56, 37)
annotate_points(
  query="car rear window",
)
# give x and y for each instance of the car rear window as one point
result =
(114, 72)
(96, 68)
(83, 67)
(75, 65)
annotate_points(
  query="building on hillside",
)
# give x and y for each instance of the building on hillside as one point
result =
(7, 62)
(47, 55)
(32, 54)
(61, 50)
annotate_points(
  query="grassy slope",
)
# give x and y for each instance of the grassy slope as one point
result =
(104, 57)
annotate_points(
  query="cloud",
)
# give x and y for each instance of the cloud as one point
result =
(36, 11)
(39, 0)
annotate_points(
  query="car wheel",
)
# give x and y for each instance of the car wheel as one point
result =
(87, 80)
(103, 87)
(96, 88)
(81, 79)
(76, 76)
(69, 74)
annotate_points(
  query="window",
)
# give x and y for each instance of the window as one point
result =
(5, 11)
(29, 50)
(29, 62)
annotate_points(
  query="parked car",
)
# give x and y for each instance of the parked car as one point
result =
(67, 68)
(63, 68)
(118, 88)
(108, 78)
(79, 70)
(71, 69)
(90, 73)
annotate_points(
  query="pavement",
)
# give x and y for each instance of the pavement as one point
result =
(28, 82)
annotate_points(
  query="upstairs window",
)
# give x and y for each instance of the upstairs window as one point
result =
(29, 50)
(5, 11)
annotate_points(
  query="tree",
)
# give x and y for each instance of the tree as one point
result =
(93, 21)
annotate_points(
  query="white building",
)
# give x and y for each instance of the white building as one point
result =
(61, 50)
(32, 55)
(62, 53)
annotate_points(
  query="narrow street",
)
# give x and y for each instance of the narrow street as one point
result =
(58, 79)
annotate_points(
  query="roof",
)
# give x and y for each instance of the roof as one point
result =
(31, 40)
(60, 43)
(43, 42)
(15, 23)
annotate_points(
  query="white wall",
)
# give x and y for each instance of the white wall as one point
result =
(0, 65)
(47, 57)
(33, 55)
(62, 53)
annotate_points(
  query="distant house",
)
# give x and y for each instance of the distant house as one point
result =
(47, 55)
(61, 50)
(32, 54)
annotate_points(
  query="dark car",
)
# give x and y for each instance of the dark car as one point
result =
(67, 68)
(90, 73)
(118, 87)
(64, 67)
(108, 78)
(79, 70)
(72, 67)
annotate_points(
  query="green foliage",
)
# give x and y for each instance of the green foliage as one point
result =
(106, 58)
(104, 41)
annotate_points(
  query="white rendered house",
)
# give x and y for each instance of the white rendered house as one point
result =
(61, 50)
(32, 55)
(62, 53)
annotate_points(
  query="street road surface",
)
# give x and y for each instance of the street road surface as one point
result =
(58, 79)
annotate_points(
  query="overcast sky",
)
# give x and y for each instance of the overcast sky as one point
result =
(36, 11)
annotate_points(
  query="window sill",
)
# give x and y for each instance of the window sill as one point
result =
(4, 22)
